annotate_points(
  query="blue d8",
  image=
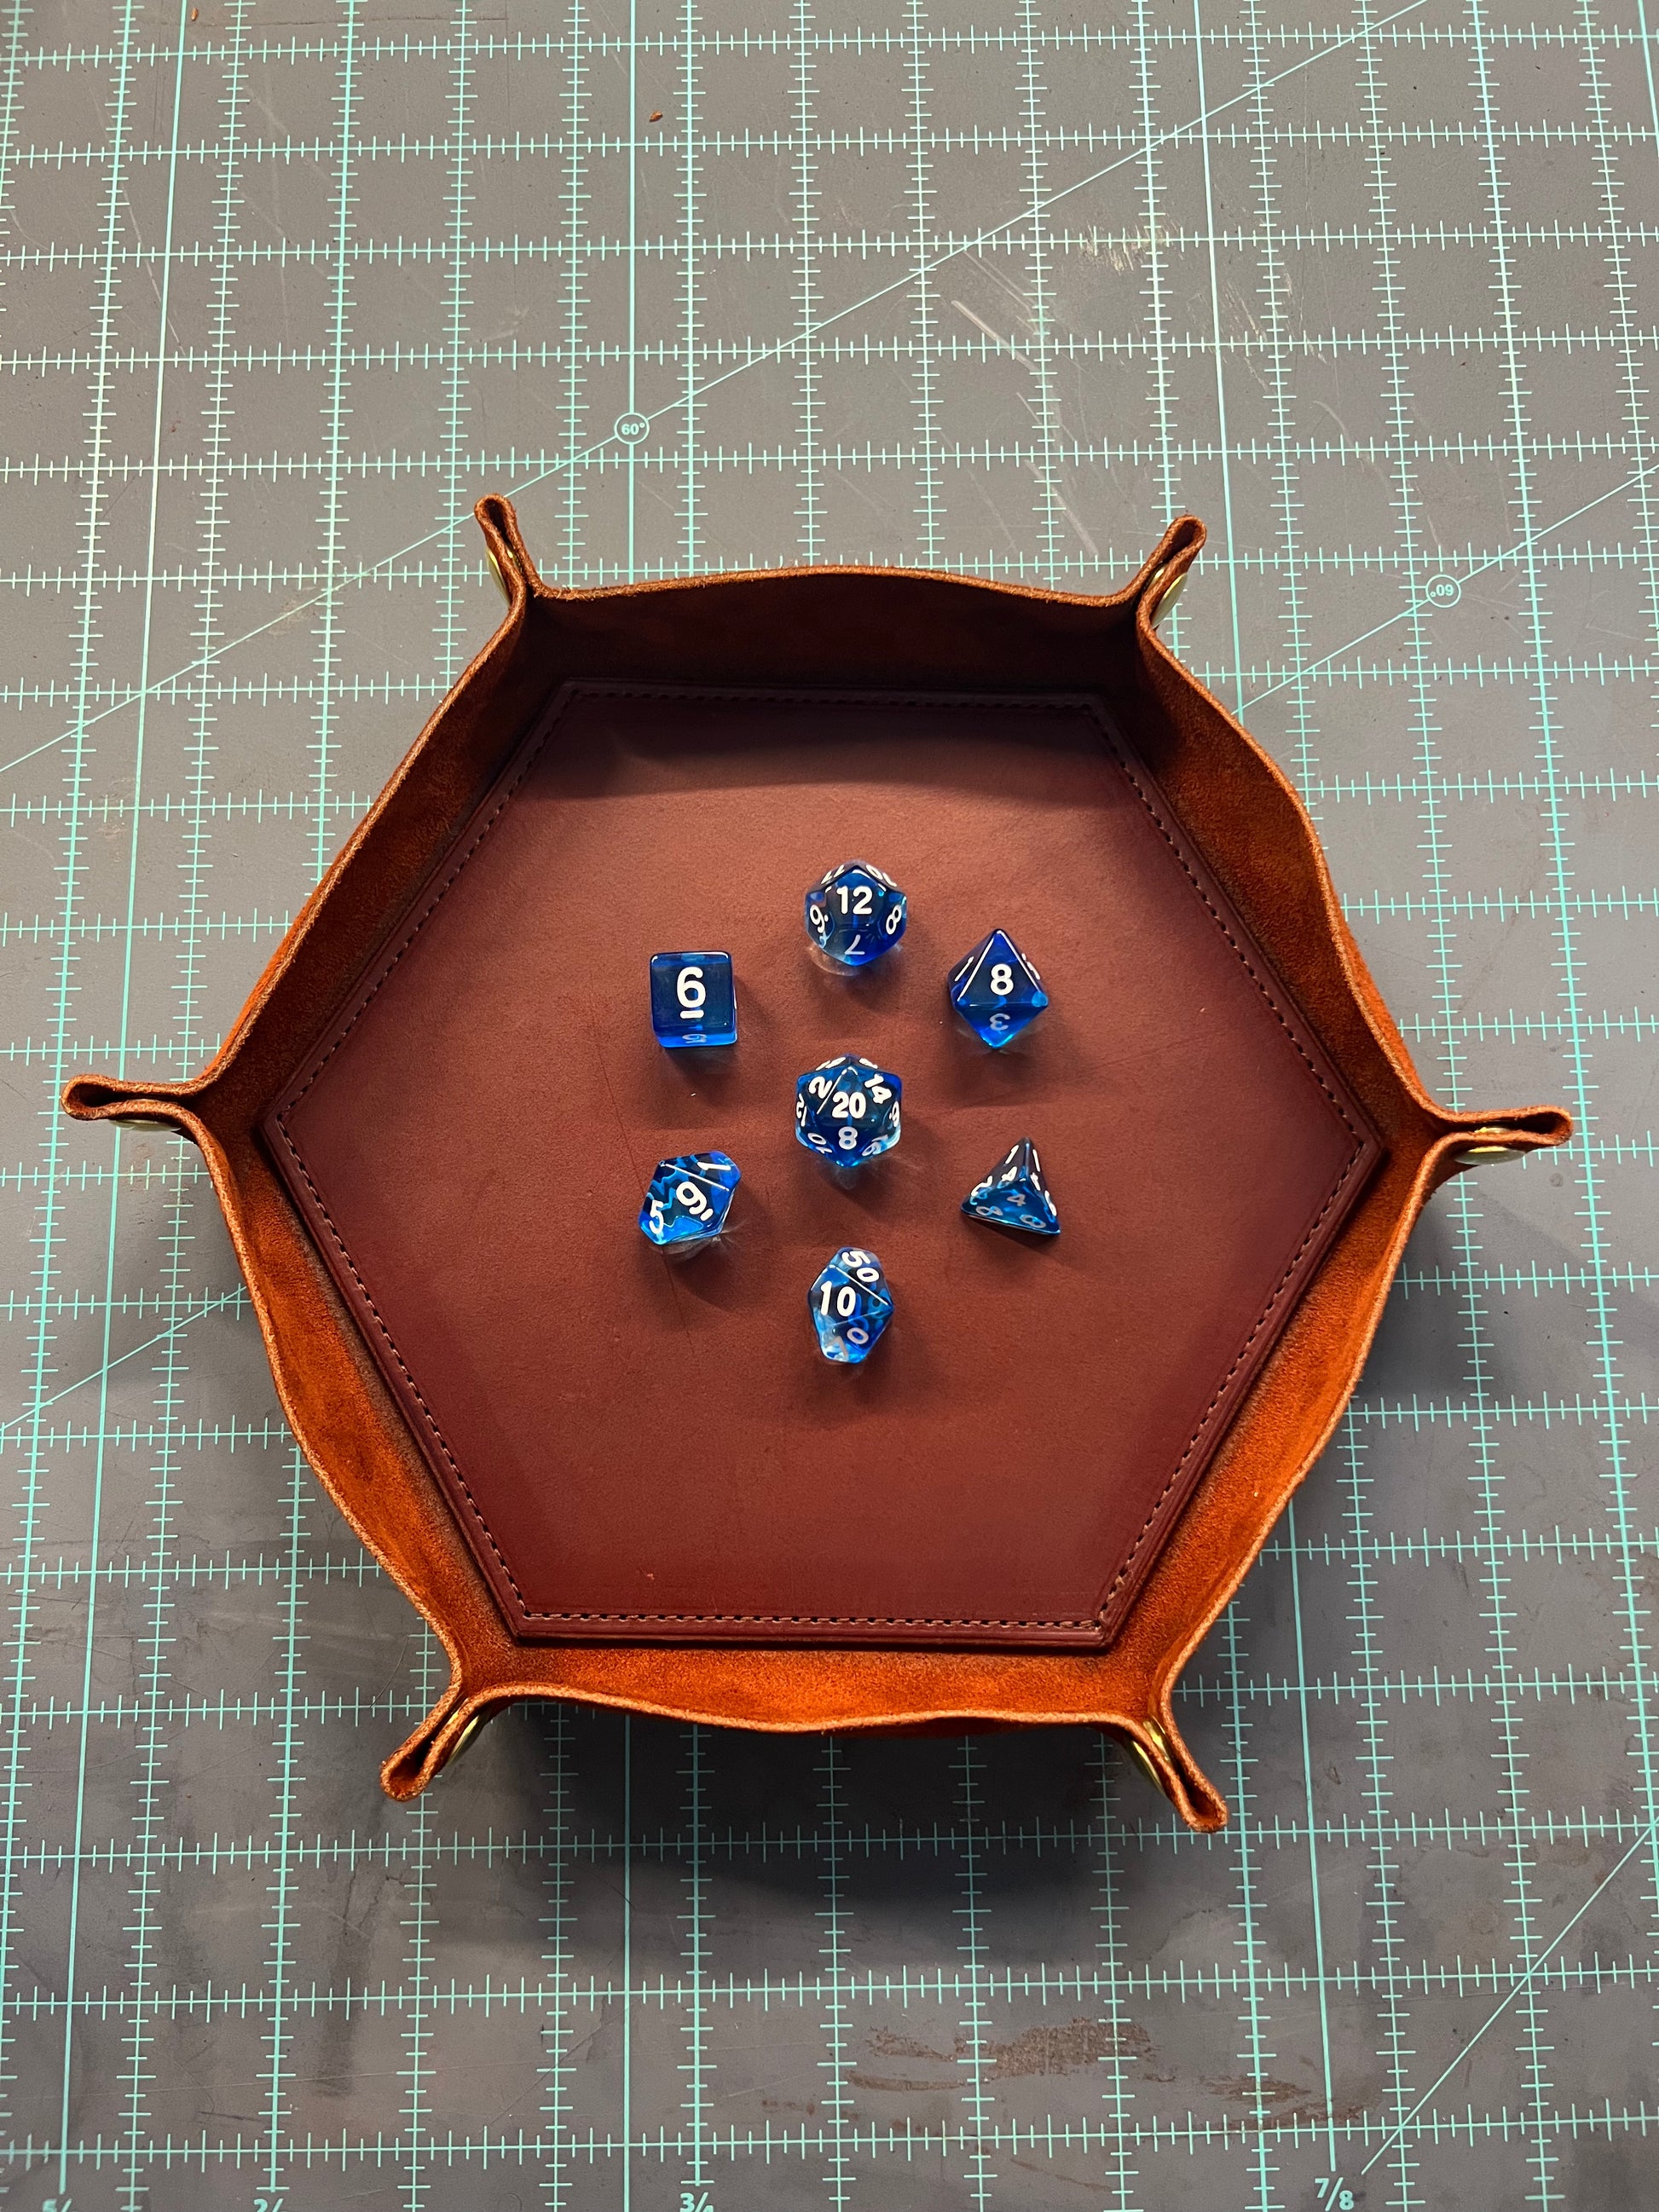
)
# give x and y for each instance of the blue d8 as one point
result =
(848, 1110)
(850, 1304)
(688, 1200)
(1014, 1195)
(693, 999)
(855, 915)
(996, 990)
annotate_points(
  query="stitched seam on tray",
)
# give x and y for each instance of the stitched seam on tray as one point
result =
(415, 928)
(815, 1619)
(392, 1345)
(759, 1619)
(1243, 959)
(1295, 1260)
(1279, 1288)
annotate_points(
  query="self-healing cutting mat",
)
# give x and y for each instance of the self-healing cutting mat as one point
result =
(1001, 292)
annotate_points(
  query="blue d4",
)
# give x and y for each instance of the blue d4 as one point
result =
(1014, 1195)
(855, 915)
(850, 1304)
(688, 1200)
(847, 1110)
(996, 990)
(693, 999)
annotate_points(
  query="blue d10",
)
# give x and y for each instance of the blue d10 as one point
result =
(688, 1200)
(850, 1304)
(693, 999)
(1014, 1195)
(847, 1110)
(996, 990)
(855, 915)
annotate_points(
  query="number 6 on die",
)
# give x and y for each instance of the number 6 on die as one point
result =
(693, 999)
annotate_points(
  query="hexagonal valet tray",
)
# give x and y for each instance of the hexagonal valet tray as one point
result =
(605, 1478)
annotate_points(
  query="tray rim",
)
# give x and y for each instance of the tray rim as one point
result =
(347, 1423)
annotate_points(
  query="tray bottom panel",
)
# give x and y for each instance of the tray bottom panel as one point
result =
(642, 1449)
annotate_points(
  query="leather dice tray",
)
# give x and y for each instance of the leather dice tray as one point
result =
(603, 1476)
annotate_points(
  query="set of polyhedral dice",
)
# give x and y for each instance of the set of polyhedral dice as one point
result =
(848, 1109)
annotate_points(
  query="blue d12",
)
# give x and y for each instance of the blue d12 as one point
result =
(1014, 1195)
(693, 999)
(688, 1200)
(855, 915)
(850, 1304)
(996, 990)
(847, 1110)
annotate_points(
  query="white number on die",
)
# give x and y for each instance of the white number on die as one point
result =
(1002, 979)
(691, 992)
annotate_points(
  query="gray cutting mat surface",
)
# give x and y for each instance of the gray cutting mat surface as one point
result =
(999, 289)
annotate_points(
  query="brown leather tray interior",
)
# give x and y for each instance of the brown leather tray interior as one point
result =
(636, 1447)
(1034, 1498)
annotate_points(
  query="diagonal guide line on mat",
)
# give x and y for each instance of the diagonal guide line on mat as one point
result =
(1463, 575)
(1030, 213)
(226, 1300)
(628, 1868)
(1397, 2133)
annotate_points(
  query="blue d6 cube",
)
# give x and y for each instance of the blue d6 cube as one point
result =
(996, 990)
(693, 999)
(855, 915)
(847, 1110)
(1014, 1195)
(850, 1304)
(688, 1200)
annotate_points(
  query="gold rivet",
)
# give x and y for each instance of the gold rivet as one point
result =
(1160, 597)
(1485, 1148)
(1138, 1753)
(463, 1740)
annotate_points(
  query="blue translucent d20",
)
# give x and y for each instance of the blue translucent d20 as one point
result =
(1014, 1195)
(847, 1110)
(855, 915)
(688, 1200)
(850, 1304)
(996, 990)
(693, 1000)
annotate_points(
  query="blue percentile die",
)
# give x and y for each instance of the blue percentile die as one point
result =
(688, 1200)
(850, 1304)
(856, 914)
(693, 999)
(847, 1110)
(1014, 1195)
(996, 990)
